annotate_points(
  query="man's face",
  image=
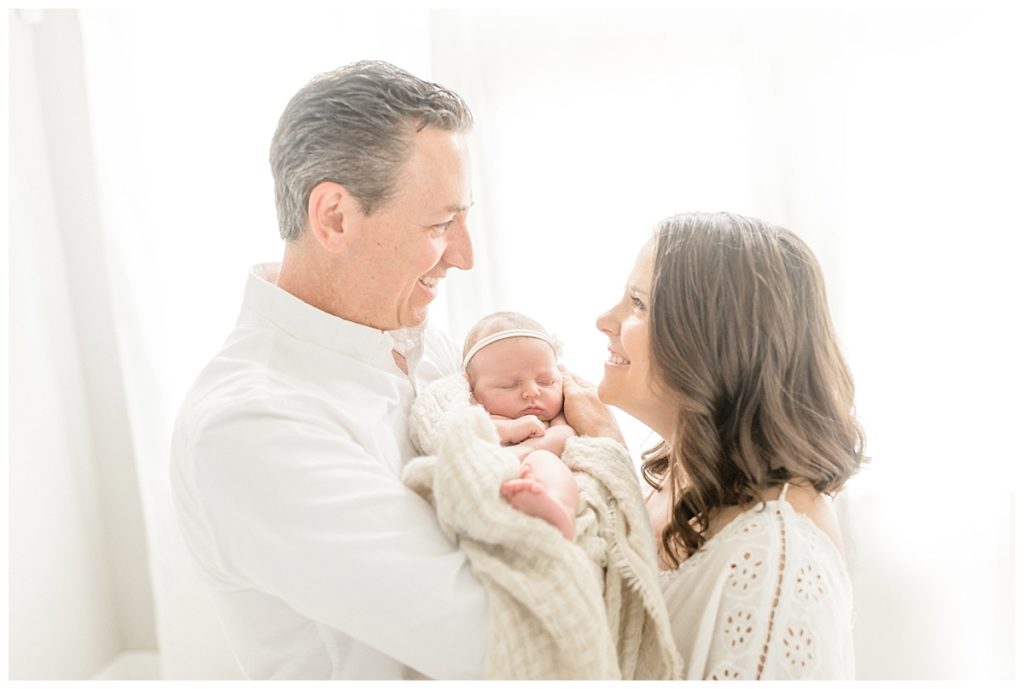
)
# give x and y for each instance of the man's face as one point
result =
(406, 247)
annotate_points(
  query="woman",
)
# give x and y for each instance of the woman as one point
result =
(722, 343)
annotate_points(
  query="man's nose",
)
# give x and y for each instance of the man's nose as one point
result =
(459, 252)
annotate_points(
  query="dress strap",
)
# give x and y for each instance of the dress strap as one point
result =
(785, 489)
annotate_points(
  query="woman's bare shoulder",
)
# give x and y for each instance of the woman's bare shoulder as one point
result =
(817, 507)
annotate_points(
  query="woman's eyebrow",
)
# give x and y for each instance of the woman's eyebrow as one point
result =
(634, 288)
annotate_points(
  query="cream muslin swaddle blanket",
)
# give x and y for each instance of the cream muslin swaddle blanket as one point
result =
(592, 609)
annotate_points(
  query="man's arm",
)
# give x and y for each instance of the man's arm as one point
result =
(301, 512)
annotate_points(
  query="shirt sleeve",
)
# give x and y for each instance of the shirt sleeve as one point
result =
(302, 512)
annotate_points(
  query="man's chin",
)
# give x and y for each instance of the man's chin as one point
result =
(413, 319)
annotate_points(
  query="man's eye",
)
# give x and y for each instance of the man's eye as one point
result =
(440, 229)
(638, 305)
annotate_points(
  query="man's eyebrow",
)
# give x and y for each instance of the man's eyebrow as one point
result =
(460, 209)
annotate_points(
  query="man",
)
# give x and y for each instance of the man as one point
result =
(288, 450)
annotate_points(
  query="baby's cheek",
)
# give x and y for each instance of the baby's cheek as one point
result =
(557, 397)
(506, 405)
(484, 398)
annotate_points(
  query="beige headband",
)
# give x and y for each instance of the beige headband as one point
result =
(504, 334)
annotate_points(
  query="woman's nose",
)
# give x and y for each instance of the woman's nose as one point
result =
(606, 322)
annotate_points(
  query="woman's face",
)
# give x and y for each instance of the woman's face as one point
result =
(628, 381)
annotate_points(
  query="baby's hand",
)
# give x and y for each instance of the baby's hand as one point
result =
(515, 431)
(553, 440)
(531, 426)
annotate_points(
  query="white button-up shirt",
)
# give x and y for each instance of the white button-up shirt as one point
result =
(286, 464)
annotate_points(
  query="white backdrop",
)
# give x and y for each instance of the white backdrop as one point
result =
(889, 139)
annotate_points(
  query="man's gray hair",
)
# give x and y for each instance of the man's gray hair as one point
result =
(354, 126)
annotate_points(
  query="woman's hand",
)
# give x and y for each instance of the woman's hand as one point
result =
(584, 411)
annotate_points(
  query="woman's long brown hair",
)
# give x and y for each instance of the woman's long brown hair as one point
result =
(741, 337)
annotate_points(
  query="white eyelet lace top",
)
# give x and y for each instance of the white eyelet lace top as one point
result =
(768, 597)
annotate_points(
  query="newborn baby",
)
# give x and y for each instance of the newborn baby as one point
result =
(512, 368)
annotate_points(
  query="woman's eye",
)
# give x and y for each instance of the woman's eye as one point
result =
(638, 305)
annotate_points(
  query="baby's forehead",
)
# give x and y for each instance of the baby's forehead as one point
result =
(513, 352)
(524, 345)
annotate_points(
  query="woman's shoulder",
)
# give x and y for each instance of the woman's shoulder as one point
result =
(739, 555)
(766, 585)
(817, 509)
(756, 542)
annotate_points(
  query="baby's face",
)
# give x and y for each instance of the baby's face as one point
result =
(516, 377)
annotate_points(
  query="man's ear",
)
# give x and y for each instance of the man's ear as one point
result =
(333, 216)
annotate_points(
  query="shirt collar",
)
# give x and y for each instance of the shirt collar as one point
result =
(301, 320)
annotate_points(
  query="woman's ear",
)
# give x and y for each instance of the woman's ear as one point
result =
(334, 214)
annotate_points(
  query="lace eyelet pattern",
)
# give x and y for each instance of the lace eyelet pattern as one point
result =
(739, 628)
(746, 572)
(778, 594)
(799, 651)
(809, 585)
(768, 597)
(726, 673)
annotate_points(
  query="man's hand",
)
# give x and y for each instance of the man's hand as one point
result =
(584, 411)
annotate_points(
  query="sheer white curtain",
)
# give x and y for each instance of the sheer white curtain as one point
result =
(889, 140)
(79, 578)
(152, 127)
(185, 106)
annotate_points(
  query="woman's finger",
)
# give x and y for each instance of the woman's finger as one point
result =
(573, 378)
(567, 377)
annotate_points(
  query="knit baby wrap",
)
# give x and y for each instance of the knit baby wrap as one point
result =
(589, 609)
